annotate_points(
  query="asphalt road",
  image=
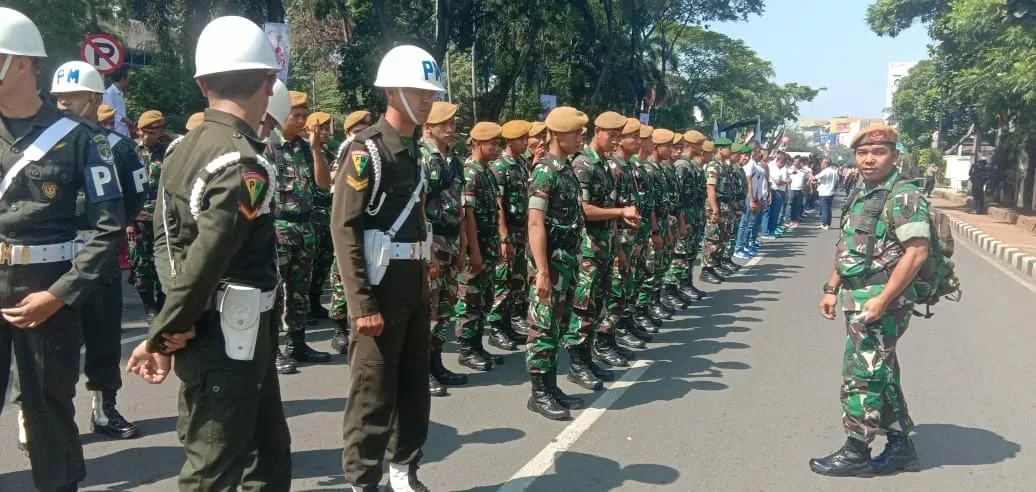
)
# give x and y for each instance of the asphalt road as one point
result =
(737, 395)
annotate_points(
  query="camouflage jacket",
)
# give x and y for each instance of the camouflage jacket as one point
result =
(152, 159)
(673, 186)
(554, 189)
(645, 197)
(596, 188)
(659, 190)
(905, 217)
(294, 163)
(443, 198)
(626, 192)
(513, 177)
(480, 192)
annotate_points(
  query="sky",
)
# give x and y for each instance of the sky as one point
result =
(827, 43)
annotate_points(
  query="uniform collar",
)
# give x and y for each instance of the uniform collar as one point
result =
(392, 140)
(43, 118)
(240, 126)
(430, 145)
(885, 184)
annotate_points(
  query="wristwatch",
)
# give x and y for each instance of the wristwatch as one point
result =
(830, 290)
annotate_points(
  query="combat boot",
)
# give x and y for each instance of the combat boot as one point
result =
(403, 478)
(316, 309)
(435, 388)
(501, 339)
(624, 337)
(643, 319)
(683, 294)
(340, 340)
(899, 456)
(579, 370)
(298, 350)
(638, 330)
(674, 297)
(852, 460)
(709, 275)
(569, 402)
(731, 265)
(688, 291)
(150, 307)
(603, 353)
(667, 304)
(284, 364)
(442, 374)
(543, 401)
(697, 292)
(520, 325)
(658, 309)
(496, 360)
(721, 268)
(471, 357)
(106, 419)
(623, 352)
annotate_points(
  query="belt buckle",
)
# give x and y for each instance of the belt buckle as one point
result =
(5, 254)
(414, 251)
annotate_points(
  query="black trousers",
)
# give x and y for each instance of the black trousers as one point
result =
(979, 195)
(47, 370)
(101, 317)
(389, 403)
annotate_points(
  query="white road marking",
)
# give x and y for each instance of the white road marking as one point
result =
(996, 264)
(542, 462)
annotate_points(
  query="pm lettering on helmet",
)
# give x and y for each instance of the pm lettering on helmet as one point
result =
(71, 76)
(431, 68)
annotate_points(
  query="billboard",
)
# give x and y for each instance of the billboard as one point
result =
(828, 140)
(897, 70)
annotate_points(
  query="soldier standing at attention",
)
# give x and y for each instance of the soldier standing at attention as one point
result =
(319, 123)
(355, 122)
(151, 146)
(537, 144)
(716, 209)
(46, 159)
(676, 233)
(510, 280)
(874, 277)
(481, 232)
(378, 213)
(445, 175)
(598, 197)
(78, 88)
(296, 162)
(665, 208)
(683, 172)
(217, 256)
(694, 193)
(650, 192)
(555, 226)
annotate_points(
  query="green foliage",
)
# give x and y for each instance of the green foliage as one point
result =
(164, 85)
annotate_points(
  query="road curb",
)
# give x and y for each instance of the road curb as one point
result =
(1013, 257)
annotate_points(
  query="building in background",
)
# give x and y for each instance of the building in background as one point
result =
(897, 70)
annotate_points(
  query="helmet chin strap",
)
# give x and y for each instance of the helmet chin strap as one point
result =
(406, 106)
(7, 65)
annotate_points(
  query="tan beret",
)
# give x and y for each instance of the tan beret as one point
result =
(708, 146)
(105, 113)
(694, 137)
(194, 120)
(646, 131)
(565, 119)
(537, 128)
(441, 112)
(485, 130)
(876, 135)
(151, 117)
(610, 120)
(677, 138)
(515, 129)
(318, 118)
(299, 99)
(662, 136)
(632, 126)
(355, 118)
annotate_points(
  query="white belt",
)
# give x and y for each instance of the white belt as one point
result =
(19, 254)
(266, 298)
(408, 251)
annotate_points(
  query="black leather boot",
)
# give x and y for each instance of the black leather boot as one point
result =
(731, 265)
(284, 364)
(542, 400)
(569, 402)
(638, 330)
(520, 325)
(602, 352)
(683, 294)
(698, 292)
(688, 291)
(666, 303)
(435, 388)
(852, 460)
(660, 309)
(442, 374)
(674, 297)
(623, 352)
(709, 275)
(106, 419)
(471, 357)
(298, 350)
(501, 340)
(646, 321)
(899, 456)
(496, 360)
(579, 370)
(721, 268)
(340, 340)
(624, 337)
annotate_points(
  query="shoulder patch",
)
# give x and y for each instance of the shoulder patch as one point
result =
(360, 159)
(103, 149)
(256, 183)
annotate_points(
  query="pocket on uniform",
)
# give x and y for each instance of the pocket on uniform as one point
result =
(48, 182)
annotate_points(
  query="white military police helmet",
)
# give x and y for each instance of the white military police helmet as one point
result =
(19, 36)
(409, 67)
(77, 76)
(279, 106)
(233, 44)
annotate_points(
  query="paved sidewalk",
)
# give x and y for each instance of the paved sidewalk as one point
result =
(1013, 245)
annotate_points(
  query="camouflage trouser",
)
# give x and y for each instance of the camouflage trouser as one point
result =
(652, 270)
(678, 263)
(296, 268)
(872, 397)
(323, 256)
(442, 298)
(338, 310)
(474, 298)
(510, 280)
(547, 321)
(713, 243)
(694, 244)
(621, 290)
(592, 287)
(733, 221)
(143, 275)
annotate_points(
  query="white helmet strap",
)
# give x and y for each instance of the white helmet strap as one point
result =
(406, 106)
(7, 65)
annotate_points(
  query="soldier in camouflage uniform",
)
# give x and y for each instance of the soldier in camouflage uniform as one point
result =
(619, 321)
(481, 201)
(445, 175)
(716, 211)
(664, 215)
(355, 122)
(738, 200)
(510, 280)
(677, 233)
(294, 159)
(646, 174)
(324, 251)
(151, 146)
(691, 177)
(875, 279)
(555, 225)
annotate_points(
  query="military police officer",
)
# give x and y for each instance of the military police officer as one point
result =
(216, 251)
(46, 159)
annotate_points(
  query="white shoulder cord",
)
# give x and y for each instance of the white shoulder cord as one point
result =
(373, 209)
(222, 162)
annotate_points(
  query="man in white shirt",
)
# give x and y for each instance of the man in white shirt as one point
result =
(778, 195)
(756, 201)
(797, 177)
(113, 97)
(827, 181)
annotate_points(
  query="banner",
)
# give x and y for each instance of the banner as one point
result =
(645, 118)
(548, 102)
(280, 38)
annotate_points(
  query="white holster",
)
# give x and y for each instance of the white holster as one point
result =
(378, 248)
(239, 312)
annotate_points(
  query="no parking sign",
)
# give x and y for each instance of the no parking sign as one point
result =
(102, 51)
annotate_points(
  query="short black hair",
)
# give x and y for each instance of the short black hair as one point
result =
(235, 85)
(119, 74)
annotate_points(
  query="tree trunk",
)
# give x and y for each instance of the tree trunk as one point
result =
(1025, 176)
(274, 11)
(442, 29)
